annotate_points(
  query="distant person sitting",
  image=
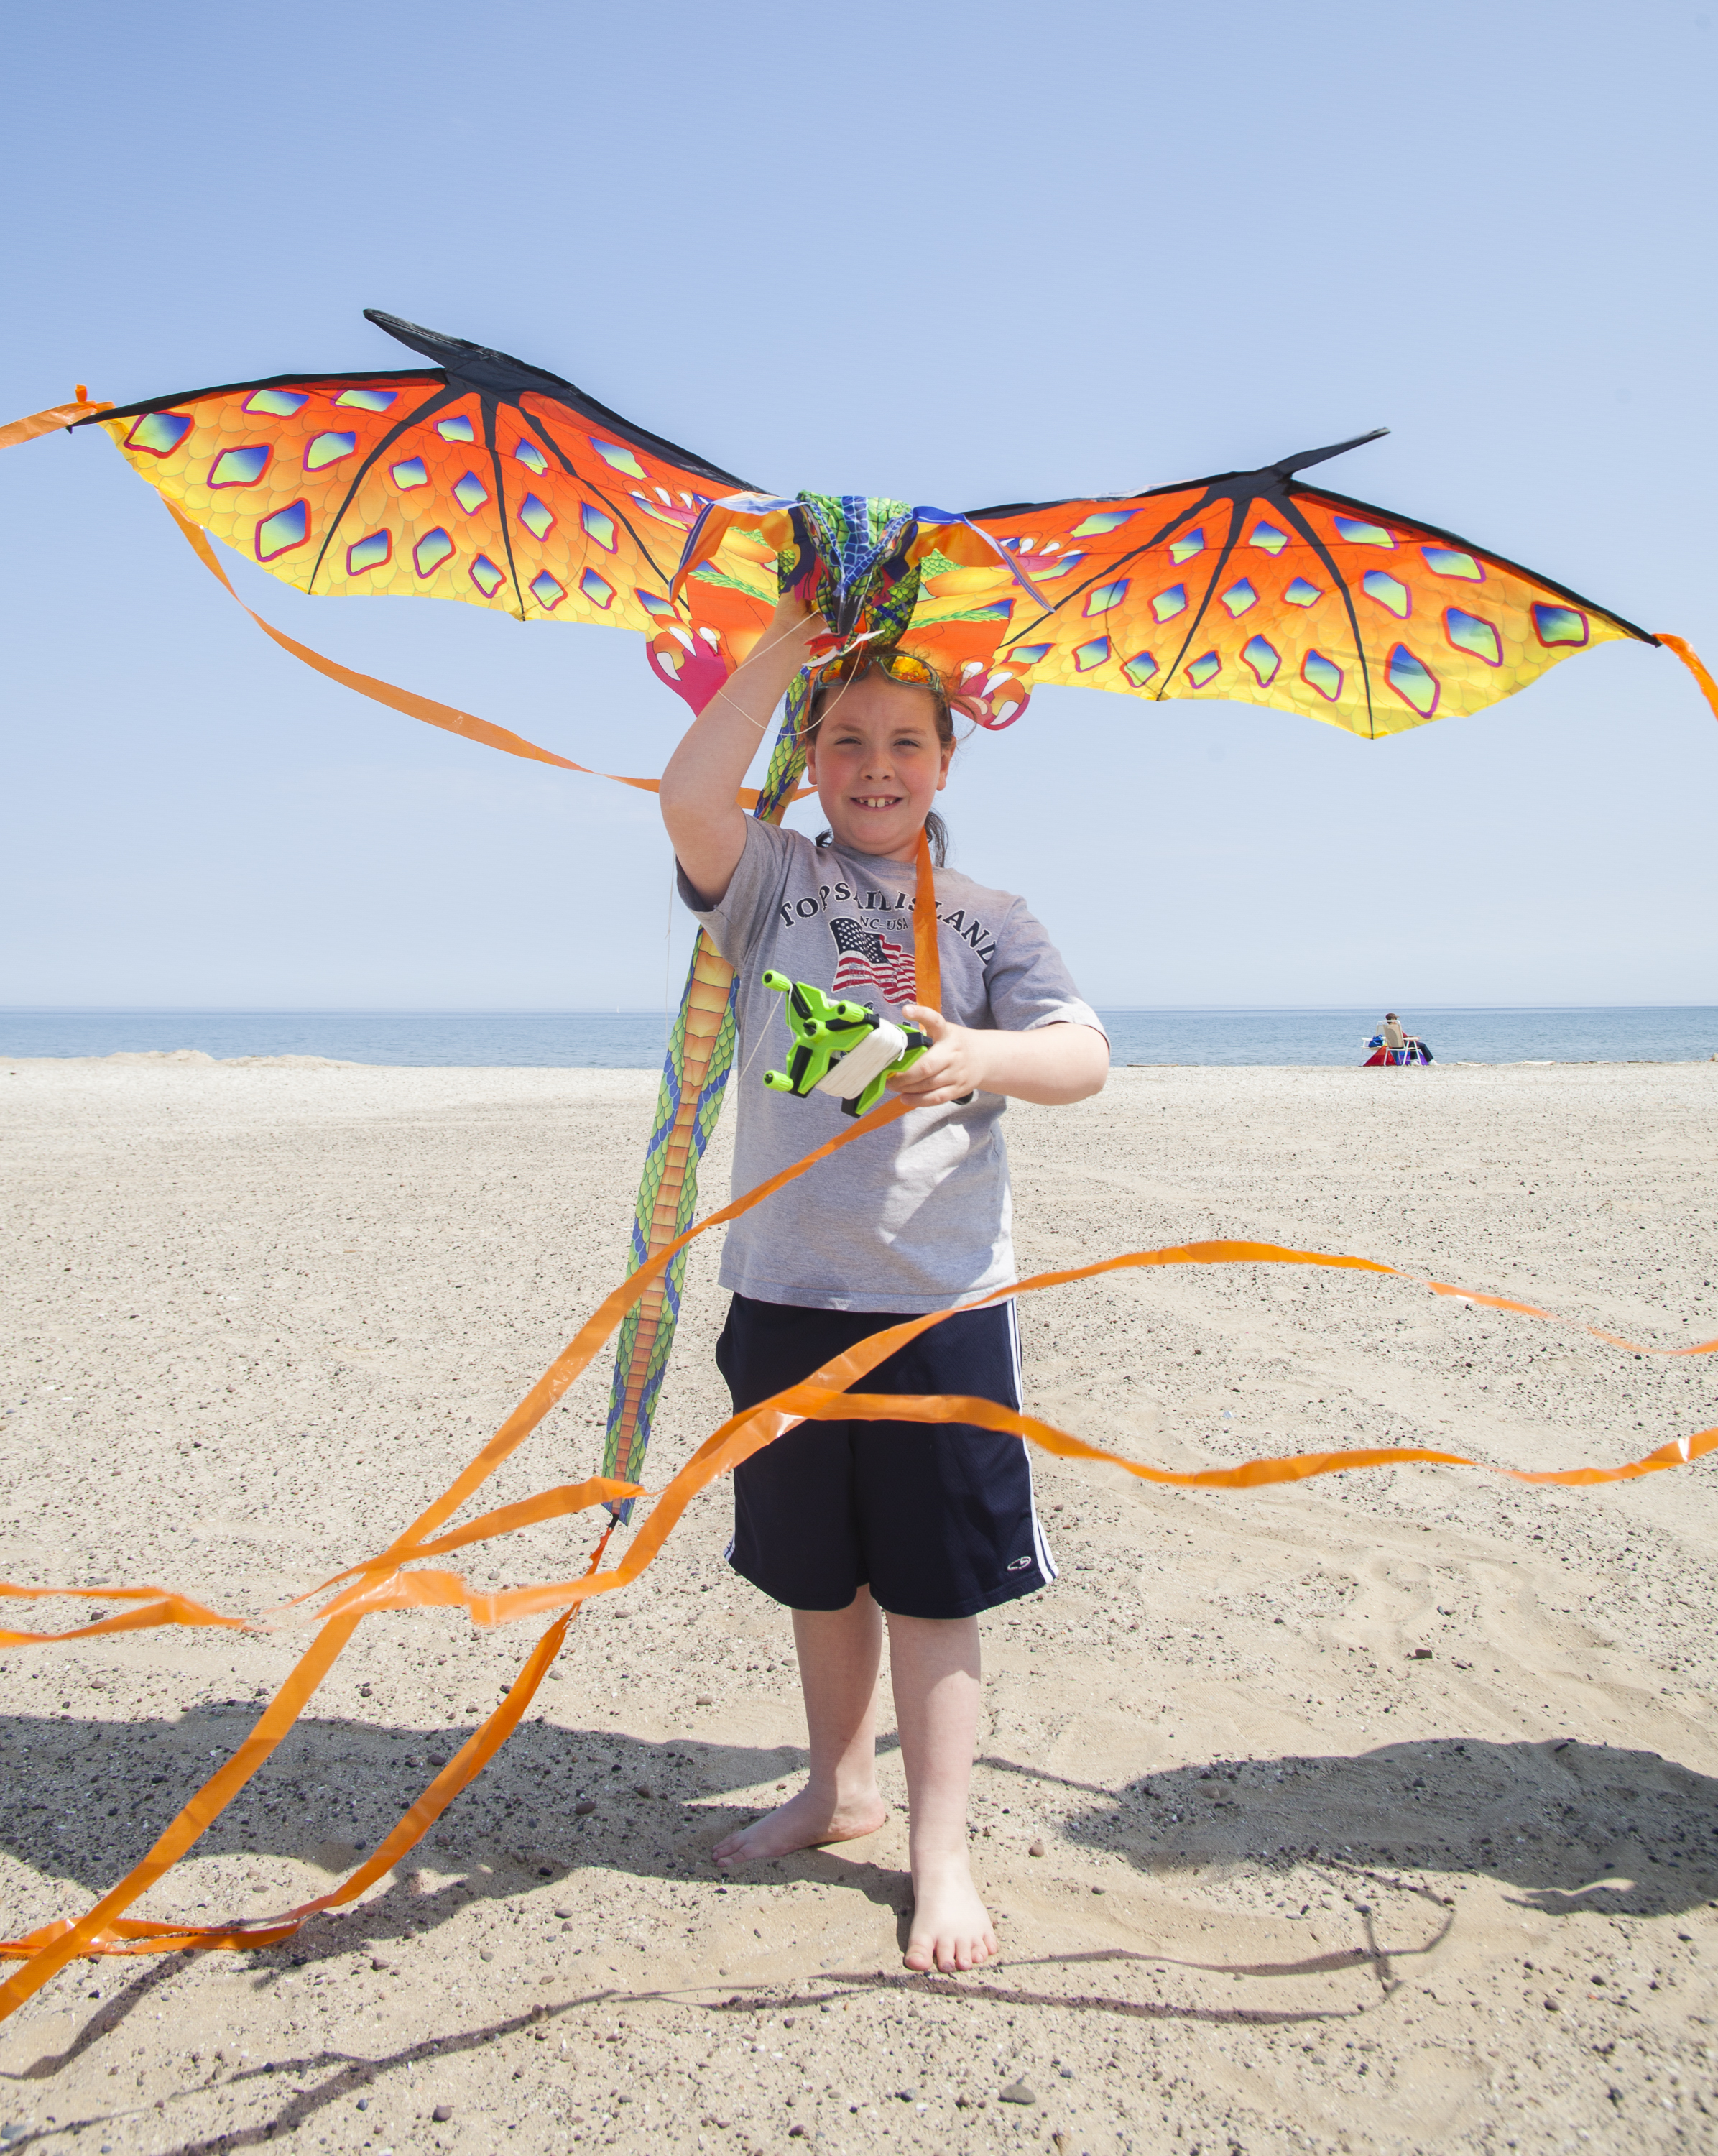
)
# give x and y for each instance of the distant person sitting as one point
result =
(1395, 1048)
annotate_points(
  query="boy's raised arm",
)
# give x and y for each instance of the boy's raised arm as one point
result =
(700, 786)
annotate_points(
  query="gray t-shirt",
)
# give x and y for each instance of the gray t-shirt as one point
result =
(917, 1217)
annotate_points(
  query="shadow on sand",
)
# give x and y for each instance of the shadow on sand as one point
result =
(1567, 1826)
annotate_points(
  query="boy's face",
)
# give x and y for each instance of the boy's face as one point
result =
(878, 764)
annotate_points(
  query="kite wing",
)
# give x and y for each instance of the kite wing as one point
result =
(480, 478)
(1252, 587)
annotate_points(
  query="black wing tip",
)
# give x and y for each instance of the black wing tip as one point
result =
(459, 356)
(482, 367)
(430, 343)
(1288, 466)
(1284, 469)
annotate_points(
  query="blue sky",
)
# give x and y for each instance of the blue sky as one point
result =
(960, 253)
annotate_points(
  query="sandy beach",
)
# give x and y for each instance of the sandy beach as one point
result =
(1378, 1813)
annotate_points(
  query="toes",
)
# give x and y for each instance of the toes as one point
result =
(947, 1960)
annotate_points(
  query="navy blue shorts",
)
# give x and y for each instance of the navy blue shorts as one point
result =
(936, 1518)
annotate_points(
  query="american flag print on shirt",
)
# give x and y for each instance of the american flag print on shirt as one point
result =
(869, 961)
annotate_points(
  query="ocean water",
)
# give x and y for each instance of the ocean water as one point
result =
(636, 1040)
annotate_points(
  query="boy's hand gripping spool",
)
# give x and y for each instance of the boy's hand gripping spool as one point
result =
(845, 1049)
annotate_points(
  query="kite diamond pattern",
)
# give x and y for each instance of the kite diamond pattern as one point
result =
(492, 482)
(1311, 624)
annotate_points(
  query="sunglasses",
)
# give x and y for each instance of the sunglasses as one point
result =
(898, 666)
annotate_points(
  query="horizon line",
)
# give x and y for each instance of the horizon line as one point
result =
(659, 1010)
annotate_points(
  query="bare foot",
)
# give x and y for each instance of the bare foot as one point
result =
(950, 1929)
(803, 1822)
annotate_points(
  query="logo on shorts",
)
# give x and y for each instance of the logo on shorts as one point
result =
(1020, 1564)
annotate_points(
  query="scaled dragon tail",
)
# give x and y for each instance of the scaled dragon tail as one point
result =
(701, 1054)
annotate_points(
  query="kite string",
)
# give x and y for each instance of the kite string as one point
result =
(668, 952)
(761, 651)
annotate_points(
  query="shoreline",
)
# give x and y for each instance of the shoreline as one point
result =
(195, 1058)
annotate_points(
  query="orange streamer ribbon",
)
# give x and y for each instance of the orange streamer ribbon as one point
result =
(451, 720)
(1532, 1310)
(44, 423)
(823, 1396)
(96, 1931)
(1691, 659)
(433, 714)
(56, 1944)
(927, 959)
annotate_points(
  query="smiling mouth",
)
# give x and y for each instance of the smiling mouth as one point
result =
(877, 800)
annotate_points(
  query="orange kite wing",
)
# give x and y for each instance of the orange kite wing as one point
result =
(1256, 589)
(481, 479)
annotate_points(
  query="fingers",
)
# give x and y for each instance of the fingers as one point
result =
(934, 1096)
(794, 611)
(917, 1080)
(929, 1021)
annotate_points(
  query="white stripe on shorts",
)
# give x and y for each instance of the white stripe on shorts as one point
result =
(1040, 1548)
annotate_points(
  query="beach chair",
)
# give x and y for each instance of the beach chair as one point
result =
(1413, 1054)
